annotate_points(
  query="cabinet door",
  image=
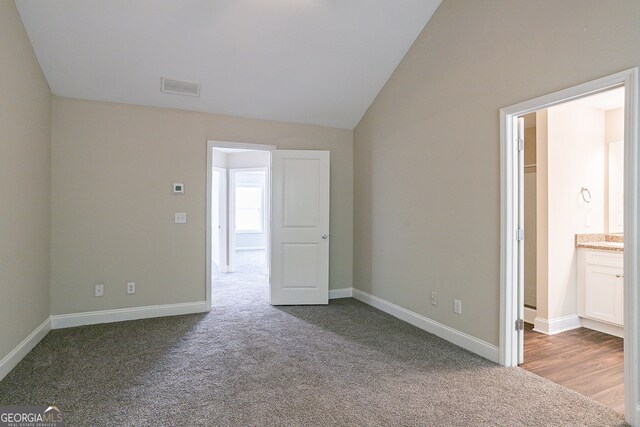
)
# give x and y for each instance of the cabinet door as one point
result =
(604, 293)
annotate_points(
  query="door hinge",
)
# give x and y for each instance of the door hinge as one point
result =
(520, 144)
(520, 325)
(520, 234)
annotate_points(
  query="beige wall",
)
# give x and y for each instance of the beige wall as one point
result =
(427, 155)
(25, 114)
(112, 211)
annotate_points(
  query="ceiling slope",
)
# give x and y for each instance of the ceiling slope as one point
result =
(305, 61)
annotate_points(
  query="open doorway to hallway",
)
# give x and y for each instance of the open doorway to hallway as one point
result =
(240, 223)
(573, 187)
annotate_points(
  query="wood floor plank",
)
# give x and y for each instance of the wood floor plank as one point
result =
(587, 361)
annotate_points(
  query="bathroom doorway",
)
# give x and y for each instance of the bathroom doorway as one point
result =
(573, 245)
(568, 237)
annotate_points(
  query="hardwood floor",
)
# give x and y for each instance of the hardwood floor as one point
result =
(583, 360)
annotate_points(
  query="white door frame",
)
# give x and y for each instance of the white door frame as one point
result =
(508, 223)
(266, 213)
(222, 208)
(221, 144)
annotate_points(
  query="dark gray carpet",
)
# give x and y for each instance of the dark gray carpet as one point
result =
(247, 363)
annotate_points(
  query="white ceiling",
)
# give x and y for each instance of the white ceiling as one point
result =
(305, 61)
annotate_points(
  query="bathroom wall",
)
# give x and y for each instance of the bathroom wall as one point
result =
(614, 170)
(576, 158)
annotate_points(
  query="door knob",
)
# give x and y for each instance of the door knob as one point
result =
(325, 236)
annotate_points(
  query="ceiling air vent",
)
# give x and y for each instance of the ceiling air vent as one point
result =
(180, 87)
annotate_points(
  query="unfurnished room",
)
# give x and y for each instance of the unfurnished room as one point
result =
(317, 212)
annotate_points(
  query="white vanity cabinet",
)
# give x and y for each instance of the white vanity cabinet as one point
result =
(600, 285)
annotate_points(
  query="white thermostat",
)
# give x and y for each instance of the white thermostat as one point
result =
(178, 188)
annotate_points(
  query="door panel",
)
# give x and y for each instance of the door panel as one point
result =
(300, 227)
(300, 262)
(301, 192)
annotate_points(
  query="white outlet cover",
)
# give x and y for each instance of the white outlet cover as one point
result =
(131, 287)
(181, 218)
(99, 290)
(457, 306)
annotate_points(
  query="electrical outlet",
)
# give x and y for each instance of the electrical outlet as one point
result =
(457, 306)
(434, 298)
(99, 289)
(131, 287)
(181, 218)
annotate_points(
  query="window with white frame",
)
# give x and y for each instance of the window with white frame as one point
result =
(249, 199)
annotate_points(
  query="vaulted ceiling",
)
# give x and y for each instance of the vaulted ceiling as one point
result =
(304, 61)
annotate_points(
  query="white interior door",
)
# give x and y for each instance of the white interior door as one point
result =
(300, 227)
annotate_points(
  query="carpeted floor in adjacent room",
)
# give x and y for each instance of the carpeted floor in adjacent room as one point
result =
(247, 363)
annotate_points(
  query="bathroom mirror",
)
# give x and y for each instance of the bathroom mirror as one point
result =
(616, 186)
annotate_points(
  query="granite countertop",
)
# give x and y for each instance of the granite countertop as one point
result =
(601, 241)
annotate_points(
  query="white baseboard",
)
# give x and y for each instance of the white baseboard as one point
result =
(617, 331)
(468, 342)
(59, 321)
(221, 268)
(340, 293)
(17, 354)
(557, 325)
(529, 315)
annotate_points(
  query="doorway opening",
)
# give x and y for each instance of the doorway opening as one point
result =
(267, 224)
(569, 239)
(239, 234)
(573, 239)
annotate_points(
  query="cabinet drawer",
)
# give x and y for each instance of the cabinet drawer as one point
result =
(611, 259)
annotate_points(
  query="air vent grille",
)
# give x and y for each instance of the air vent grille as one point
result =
(180, 87)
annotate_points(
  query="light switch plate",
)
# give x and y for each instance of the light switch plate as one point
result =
(181, 218)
